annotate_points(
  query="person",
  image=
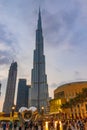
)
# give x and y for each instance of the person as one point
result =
(10, 125)
(51, 125)
(64, 124)
(69, 128)
(31, 124)
(4, 125)
(26, 125)
(7, 126)
(36, 126)
(73, 126)
(85, 125)
(58, 126)
(15, 125)
(20, 125)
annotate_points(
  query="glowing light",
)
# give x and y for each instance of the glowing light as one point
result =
(13, 108)
(56, 124)
(46, 125)
(60, 125)
(42, 108)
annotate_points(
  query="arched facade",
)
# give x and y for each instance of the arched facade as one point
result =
(69, 91)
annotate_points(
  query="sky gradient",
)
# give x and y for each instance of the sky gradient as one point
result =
(65, 39)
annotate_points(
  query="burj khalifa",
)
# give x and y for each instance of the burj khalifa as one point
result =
(39, 86)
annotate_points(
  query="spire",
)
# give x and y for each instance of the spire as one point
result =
(39, 20)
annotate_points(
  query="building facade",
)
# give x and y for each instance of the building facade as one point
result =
(69, 91)
(39, 86)
(55, 105)
(10, 90)
(22, 94)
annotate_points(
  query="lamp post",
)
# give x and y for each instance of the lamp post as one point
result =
(42, 110)
(13, 108)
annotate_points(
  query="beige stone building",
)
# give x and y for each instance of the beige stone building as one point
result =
(66, 92)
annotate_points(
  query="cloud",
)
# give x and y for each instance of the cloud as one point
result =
(53, 85)
(64, 30)
(3, 88)
(51, 89)
(1, 103)
(77, 74)
(59, 26)
(7, 45)
(4, 60)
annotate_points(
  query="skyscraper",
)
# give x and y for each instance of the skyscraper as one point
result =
(10, 90)
(22, 94)
(39, 86)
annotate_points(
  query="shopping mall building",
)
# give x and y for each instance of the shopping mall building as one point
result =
(64, 93)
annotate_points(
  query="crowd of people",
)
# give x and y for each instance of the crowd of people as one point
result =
(9, 125)
(16, 125)
(79, 124)
(72, 124)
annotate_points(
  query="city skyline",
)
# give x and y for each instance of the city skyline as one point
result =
(65, 33)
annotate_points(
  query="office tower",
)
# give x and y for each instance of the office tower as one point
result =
(10, 90)
(22, 94)
(39, 86)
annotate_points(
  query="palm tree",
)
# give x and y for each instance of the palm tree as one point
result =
(76, 101)
(65, 106)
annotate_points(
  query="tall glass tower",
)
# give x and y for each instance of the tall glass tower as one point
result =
(10, 90)
(39, 86)
(22, 95)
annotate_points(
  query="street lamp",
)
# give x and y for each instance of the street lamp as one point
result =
(13, 108)
(42, 110)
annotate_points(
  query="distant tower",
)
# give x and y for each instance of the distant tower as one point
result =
(39, 86)
(22, 94)
(10, 90)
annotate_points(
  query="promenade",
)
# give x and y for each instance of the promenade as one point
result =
(30, 129)
(72, 124)
(45, 127)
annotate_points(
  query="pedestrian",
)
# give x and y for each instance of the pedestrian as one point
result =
(25, 125)
(15, 125)
(10, 125)
(86, 125)
(64, 124)
(69, 128)
(7, 126)
(58, 126)
(20, 126)
(36, 126)
(30, 125)
(4, 125)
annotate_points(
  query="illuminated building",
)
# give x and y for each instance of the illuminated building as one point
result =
(55, 105)
(69, 91)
